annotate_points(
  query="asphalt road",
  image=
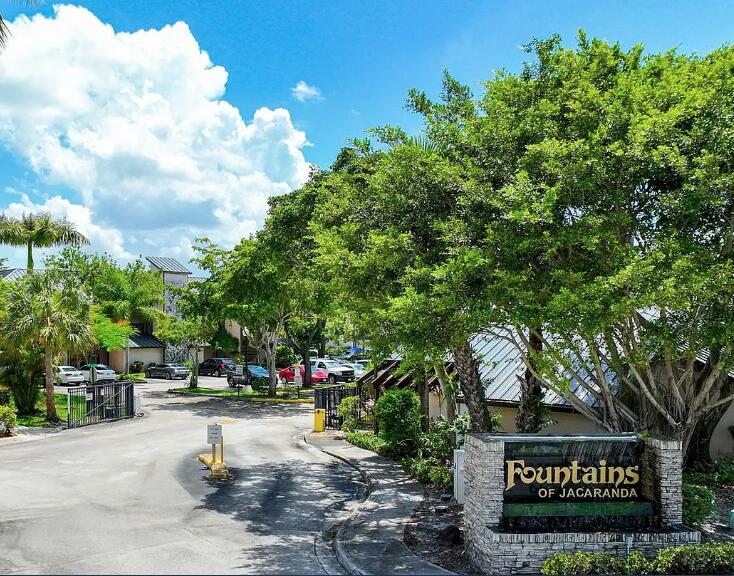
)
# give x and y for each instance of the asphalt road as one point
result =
(131, 497)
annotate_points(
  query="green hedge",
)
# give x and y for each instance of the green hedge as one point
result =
(698, 503)
(688, 559)
(366, 440)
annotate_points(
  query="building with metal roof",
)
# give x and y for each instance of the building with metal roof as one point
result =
(169, 265)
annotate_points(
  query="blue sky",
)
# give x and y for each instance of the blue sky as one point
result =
(139, 184)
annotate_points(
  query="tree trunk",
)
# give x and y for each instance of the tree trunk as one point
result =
(531, 413)
(467, 371)
(307, 364)
(270, 361)
(447, 392)
(48, 364)
(194, 378)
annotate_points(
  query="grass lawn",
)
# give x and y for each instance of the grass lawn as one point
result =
(39, 418)
(232, 393)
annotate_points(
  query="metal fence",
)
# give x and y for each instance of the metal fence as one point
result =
(329, 399)
(99, 403)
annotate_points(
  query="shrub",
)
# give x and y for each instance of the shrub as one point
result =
(688, 559)
(696, 559)
(429, 471)
(7, 420)
(719, 471)
(4, 398)
(348, 412)
(366, 440)
(438, 443)
(136, 367)
(399, 416)
(698, 503)
(571, 564)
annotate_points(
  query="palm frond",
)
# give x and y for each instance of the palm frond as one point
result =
(4, 33)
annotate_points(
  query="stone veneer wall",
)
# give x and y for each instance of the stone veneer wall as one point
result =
(495, 552)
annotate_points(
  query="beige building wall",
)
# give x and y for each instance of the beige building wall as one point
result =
(117, 361)
(145, 355)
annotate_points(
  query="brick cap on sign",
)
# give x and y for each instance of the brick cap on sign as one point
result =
(585, 437)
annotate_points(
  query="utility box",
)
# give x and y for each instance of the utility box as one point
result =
(319, 420)
(459, 476)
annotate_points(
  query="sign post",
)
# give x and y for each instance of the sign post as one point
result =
(214, 437)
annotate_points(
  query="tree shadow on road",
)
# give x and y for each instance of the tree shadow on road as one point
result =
(232, 407)
(291, 506)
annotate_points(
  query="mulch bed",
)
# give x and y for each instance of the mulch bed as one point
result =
(423, 534)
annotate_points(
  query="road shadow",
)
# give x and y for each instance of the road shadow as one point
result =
(213, 407)
(291, 505)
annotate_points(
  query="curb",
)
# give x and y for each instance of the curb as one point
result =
(342, 555)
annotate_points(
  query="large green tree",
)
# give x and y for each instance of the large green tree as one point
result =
(381, 236)
(40, 231)
(50, 316)
(600, 226)
(123, 294)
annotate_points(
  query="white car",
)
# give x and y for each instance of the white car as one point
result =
(337, 372)
(358, 368)
(69, 375)
(104, 373)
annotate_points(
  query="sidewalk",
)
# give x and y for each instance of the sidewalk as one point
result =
(371, 540)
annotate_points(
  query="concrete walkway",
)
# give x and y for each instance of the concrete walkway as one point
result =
(371, 540)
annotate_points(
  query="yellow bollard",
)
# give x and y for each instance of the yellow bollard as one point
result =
(319, 420)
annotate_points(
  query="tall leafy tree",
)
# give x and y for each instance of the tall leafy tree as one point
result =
(196, 325)
(39, 231)
(50, 316)
(381, 234)
(123, 294)
(600, 226)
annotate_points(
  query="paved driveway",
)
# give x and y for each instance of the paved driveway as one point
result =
(130, 496)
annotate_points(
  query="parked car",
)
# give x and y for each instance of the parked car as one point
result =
(66, 375)
(167, 371)
(288, 374)
(336, 372)
(359, 370)
(216, 366)
(256, 373)
(104, 373)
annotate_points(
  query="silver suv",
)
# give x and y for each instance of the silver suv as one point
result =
(337, 372)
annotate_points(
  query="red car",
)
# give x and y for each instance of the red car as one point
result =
(288, 374)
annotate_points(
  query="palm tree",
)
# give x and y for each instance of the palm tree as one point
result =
(39, 230)
(129, 294)
(50, 315)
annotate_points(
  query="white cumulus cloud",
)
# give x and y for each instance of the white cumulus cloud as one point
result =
(303, 92)
(136, 124)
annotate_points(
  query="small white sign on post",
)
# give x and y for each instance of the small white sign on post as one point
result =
(239, 369)
(297, 377)
(214, 434)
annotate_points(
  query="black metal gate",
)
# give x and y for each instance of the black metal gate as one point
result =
(329, 398)
(100, 403)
